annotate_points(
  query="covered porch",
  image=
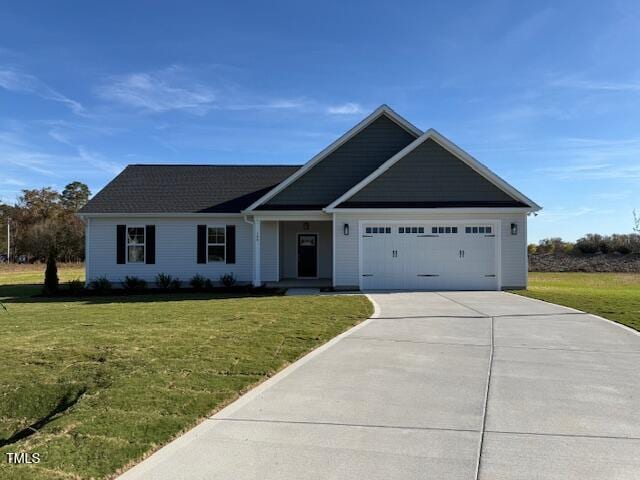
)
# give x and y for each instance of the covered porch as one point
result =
(293, 250)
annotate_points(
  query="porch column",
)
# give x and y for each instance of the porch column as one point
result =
(256, 252)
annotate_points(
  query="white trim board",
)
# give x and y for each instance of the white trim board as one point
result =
(456, 210)
(378, 112)
(451, 148)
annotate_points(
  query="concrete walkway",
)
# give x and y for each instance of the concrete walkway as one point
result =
(456, 385)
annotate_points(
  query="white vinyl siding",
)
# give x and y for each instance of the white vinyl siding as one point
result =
(513, 261)
(176, 249)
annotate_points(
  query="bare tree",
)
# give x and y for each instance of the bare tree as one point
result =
(636, 222)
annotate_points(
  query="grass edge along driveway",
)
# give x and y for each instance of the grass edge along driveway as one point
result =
(614, 296)
(107, 381)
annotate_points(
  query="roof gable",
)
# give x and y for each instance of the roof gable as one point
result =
(343, 163)
(432, 172)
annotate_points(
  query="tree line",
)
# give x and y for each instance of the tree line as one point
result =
(44, 220)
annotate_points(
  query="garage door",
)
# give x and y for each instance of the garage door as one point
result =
(421, 256)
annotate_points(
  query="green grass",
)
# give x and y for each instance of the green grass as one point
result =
(142, 369)
(24, 280)
(615, 296)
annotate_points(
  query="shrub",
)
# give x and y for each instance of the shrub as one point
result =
(553, 245)
(208, 284)
(619, 243)
(198, 282)
(165, 281)
(134, 284)
(590, 243)
(75, 286)
(100, 285)
(228, 280)
(51, 282)
(634, 242)
(532, 249)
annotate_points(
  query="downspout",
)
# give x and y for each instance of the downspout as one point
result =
(254, 249)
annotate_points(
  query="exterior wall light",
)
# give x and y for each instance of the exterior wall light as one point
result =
(345, 229)
(514, 229)
(305, 226)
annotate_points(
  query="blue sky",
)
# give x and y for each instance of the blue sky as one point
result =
(547, 94)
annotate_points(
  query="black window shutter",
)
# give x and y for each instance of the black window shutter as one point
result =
(121, 243)
(231, 244)
(150, 244)
(202, 244)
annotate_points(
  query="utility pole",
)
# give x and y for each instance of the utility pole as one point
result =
(8, 240)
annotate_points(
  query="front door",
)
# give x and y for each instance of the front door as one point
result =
(308, 255)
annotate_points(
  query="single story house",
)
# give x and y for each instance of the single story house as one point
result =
(385, 206)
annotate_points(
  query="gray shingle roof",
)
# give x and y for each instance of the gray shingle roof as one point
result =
(187, 188)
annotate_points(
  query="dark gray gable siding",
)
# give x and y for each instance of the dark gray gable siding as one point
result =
(430, 176)
(344, 167)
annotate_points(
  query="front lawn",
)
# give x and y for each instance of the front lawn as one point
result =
(107, 380)
(615, 296)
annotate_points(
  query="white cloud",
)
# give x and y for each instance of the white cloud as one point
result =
(528, 111)
(176, 88)
(230, 103)
(99, 161)
(16, 81)
(87, 155)
(160, 91)
(593, 159)
(579, 83)
(18, 152)
(613, 195)
(348, 108)
(594, 171)
(564, 214)
(12, 181)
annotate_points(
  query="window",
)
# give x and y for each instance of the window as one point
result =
(401, 230)
(420, 229)
(216, 246)
(387, 230)
(444, 230)
(478, 229)
(135, 244)
(368, 230)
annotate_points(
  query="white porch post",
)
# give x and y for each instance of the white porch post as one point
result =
(256, 253)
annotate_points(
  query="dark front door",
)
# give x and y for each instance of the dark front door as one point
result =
(307, 255)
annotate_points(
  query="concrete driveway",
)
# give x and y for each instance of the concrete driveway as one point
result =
(455, 385)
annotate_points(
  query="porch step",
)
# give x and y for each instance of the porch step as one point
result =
(303, 291)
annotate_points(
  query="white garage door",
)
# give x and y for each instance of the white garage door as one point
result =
(421, 256)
